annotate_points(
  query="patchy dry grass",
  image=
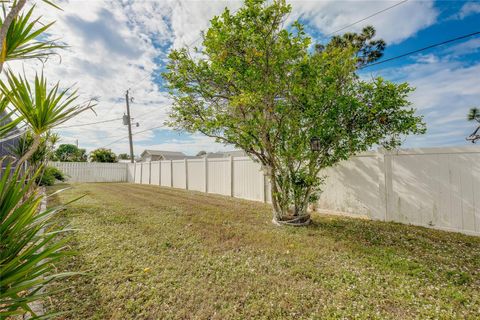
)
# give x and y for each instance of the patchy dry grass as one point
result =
(157, 253)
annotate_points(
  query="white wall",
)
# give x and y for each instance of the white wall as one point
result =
(435, 187)
(93, 171)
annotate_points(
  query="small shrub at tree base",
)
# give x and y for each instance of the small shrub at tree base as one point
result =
(50, 176)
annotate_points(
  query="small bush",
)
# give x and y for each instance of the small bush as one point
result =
(49, 176)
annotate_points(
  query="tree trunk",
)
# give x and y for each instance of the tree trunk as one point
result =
(36, 143)
(282, 213)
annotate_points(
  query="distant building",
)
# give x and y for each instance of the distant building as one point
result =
(157, 155)
(234, 153)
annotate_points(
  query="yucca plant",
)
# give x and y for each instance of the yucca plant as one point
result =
(7, 122)
(40, 107)
(24, 144)
(22, 40)
(29, 244)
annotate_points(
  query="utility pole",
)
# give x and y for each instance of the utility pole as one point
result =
(129, 123)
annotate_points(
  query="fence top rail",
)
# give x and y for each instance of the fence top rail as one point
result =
(88, 164)
(437, 150)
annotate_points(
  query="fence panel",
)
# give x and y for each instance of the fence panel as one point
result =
(130, 172)
(92, 171)
(138, 172)
(435, 187)
(155, 173)
(179, 177)
(248, 179)
(145, 177)
(432, 187)
(196, 174)
(166, 173)
(219, 171)
(436, 190)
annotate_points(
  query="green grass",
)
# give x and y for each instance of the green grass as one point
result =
(159, 253)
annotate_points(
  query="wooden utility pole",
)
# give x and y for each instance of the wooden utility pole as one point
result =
(129, 123)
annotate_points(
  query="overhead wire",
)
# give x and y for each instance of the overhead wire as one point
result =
(87, 124)
(366, 18)
(421, 49)
(133, 134)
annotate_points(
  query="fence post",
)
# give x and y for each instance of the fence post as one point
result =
(264, 185)
(141, 173)
(205, 163)
(387, 158)
(186, 173)
(160, 172)
(171, 173)
(150, 172)
(231, 175)
(134, 171)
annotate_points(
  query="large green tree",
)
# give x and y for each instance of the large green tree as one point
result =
(103, 155)
(70, 153)
(259, 86)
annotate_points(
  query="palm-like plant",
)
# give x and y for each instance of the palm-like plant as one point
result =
(22, 38)
(7, 124)
(28, 244)
(28, 237)
(473, 114)
(41, 108)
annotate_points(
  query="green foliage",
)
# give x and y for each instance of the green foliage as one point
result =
(49, 176)
(473, 114)
(70, 153)
(103, 155)
(42, 108)
(7, 124)
(23, 38)
(366, 49)
(123, 156)
(29, 244)
(41, 154)
(257, 86)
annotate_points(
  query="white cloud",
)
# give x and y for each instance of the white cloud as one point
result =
(113, 45)
(394, 25)
(468, 9)
(444, 93)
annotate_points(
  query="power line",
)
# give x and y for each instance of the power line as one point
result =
(87, 124)
(140, 82)
(126, 137)
(422, 49)
(366, 18)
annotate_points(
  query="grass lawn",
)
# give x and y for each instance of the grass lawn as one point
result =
(159, 253)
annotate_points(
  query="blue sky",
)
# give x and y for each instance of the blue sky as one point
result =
(115, 45)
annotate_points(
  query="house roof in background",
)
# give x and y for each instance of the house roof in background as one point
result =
(162, 153)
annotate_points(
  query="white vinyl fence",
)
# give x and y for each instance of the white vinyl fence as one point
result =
(434, 187)
(238, 177)
(92, 171)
